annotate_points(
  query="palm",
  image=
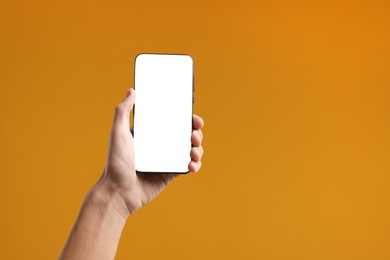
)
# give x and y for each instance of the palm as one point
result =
(120, 166)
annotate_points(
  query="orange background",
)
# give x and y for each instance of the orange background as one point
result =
(294, 94)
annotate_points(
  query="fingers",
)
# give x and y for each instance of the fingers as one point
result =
(194, 166)
(123, 109)
(196, 140)
(196, 153)
(196, 137)
(197, 122)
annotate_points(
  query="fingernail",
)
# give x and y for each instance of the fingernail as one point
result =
(128, 93)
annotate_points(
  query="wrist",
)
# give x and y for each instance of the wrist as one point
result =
(107, 196)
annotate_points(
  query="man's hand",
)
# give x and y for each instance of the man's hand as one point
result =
(119, 179)
(119, 191)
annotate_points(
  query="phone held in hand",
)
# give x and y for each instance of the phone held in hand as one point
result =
(163, 112)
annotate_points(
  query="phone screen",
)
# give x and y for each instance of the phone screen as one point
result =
(163, 113)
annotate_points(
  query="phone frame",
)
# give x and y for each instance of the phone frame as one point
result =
(192, 107)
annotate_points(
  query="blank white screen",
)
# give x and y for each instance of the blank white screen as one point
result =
(163, 112)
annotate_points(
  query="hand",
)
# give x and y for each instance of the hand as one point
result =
(119, 180)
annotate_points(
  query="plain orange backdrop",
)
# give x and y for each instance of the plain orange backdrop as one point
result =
(295, 98)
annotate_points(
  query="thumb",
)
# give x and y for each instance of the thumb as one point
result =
(123, 109)
(129, 100)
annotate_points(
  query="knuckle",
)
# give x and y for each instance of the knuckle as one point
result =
(192, 153)
(194, 139)
(119, 109)
(197, 154)
(199, 133)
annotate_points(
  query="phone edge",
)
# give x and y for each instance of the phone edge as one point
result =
(193, 102)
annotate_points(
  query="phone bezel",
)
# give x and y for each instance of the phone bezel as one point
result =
(192, 107)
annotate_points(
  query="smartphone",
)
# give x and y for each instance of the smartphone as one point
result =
(162, 117)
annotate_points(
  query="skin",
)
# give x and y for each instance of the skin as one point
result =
(120, 191)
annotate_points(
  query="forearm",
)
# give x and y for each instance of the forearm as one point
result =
(98, 227)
